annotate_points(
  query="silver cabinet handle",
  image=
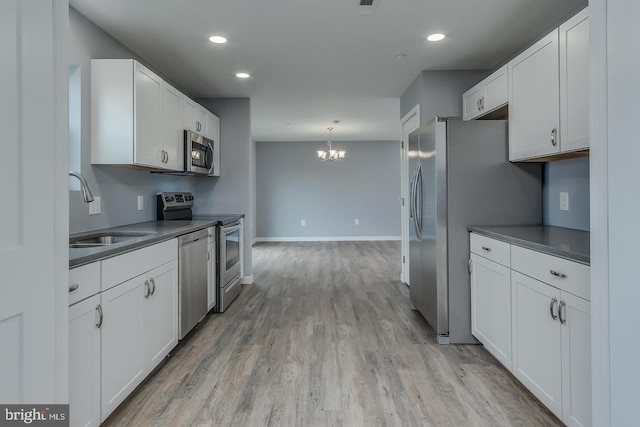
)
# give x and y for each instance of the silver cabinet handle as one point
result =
(73, 287)
(563, 319)
(554, 316)
(99, 309)
(554, 137)
(557, 274)
(470, 266)
(147, 289)
(482, 102)
(163, 156)
(484, 248)
(479, 104)
(166, 157)
(208, 255)
(153, 283)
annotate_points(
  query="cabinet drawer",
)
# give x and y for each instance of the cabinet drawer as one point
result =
(492, 249)
(126, 266)
(563, 274)
(83, 282)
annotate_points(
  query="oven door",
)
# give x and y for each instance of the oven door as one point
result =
(198, 154)
(229, 252)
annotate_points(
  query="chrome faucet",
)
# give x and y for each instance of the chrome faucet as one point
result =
(86, 193)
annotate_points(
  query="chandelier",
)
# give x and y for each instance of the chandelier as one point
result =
(331, 154)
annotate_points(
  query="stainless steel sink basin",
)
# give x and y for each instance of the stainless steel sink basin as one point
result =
(104, 239)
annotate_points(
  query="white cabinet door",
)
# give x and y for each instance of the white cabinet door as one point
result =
(84, 360)
(123, 341)
(211, 275)
(534, 93)
(496, 90)
(537, 341)
(213, 133)
(574, 82)
(194, 116)
(491, 307)
(173, 131)
(148, 117)
(576, 360)
(472, 102)
(162, 312)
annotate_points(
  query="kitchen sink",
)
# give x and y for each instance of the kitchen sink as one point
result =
(105, 238)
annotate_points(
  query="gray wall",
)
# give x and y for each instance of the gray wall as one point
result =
(118, 187)
(234, 190)
(439, 92)
(572, 176)
(292, 184)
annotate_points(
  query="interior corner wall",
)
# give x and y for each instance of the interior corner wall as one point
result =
(118, 187)
(233, 191)
(293, 185)
(439, 92)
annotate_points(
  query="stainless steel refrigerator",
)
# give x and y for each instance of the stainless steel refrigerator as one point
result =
(460, 175)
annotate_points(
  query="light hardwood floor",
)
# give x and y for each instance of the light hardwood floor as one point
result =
(326, 337)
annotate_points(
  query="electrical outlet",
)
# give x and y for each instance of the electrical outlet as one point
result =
(140, 203)
(357, 221)
(303, 222)
(94, 207)
(564, 201)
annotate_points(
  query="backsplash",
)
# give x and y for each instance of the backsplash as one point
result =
(570, 176)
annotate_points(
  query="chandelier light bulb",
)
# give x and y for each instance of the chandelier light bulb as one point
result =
(331, 154)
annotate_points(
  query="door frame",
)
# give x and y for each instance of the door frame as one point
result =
(408, 123)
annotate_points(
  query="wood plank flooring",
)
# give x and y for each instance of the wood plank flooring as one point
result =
(326, 337)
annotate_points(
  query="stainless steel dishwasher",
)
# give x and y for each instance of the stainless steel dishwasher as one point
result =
(193, 279)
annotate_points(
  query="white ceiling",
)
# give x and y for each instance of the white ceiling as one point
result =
(313, 62)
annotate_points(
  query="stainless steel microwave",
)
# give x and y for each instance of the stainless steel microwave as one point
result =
(198, 154)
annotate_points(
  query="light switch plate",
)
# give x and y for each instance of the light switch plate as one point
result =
(140, 203)
(303, 222)
(564, 201)
(357, 221)
(94, 207)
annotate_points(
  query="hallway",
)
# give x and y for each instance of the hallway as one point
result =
(325, 337)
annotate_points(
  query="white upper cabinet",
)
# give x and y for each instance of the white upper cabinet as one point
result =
(574, 83)
(534, 107)
(487, 96)
(127, 115)
(549, 94)
(194, 118)
(173, 132)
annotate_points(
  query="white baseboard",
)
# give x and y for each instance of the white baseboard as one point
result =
(327, 239)
(247, 280)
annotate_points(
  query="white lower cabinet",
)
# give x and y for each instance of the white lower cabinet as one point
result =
(537, 340)
(118, 336)
(530, 311)
(84, 362)
(491, 307)
(123, 342)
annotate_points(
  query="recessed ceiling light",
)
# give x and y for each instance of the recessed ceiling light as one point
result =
(218, 39)
(401, 56)
(242, 75)
(435, 37)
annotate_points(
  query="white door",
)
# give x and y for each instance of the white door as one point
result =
(491, 307)
(173, 134)
(534, 100)
(410, 122)
(123, 341)
(34, 227)
(84, 358)
(576, 360)
(148, 117)
(537, 343)
(162, 311)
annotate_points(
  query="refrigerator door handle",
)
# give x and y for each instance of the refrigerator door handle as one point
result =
(414, 202)
(419, 203)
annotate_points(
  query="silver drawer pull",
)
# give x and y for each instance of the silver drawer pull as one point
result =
(563, 319)
(101, 314)
(555, 273)
(73, 287)
(484, 248)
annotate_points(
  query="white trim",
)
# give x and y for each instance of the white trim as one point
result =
(247, 280)
(328, 239)
(255, 240)
(599, 181)
(404, 189)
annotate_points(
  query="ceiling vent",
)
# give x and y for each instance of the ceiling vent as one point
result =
(367, 7)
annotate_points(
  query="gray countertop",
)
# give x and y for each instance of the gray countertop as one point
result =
(158, 232)
(562, 242)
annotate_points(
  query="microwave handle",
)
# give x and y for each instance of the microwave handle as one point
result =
(208, 165)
